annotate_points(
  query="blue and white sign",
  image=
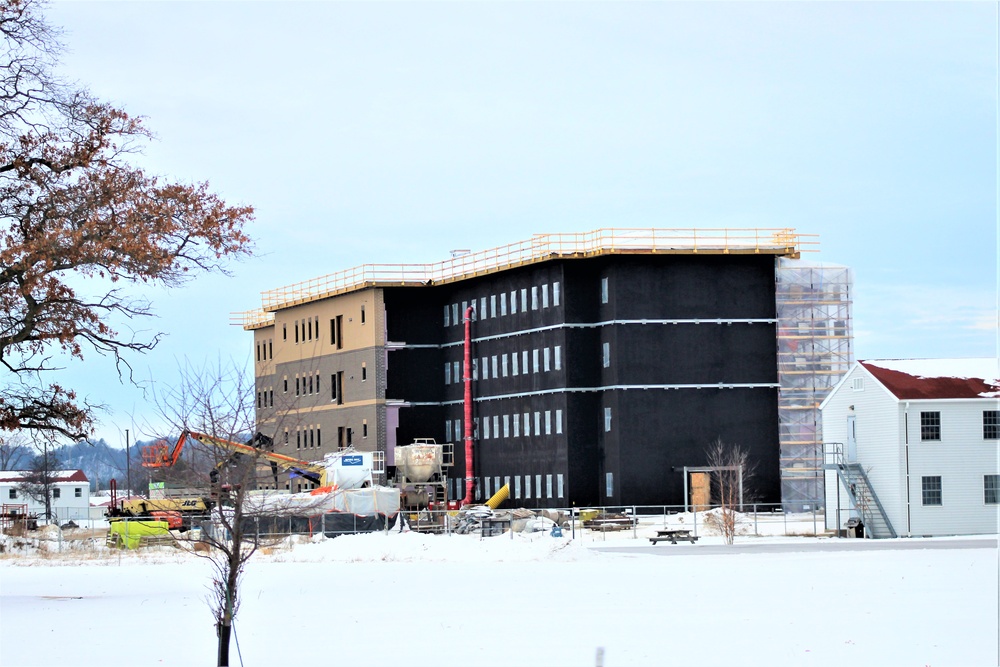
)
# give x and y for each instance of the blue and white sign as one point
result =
(352, 460)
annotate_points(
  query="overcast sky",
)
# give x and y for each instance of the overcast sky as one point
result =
(384, 132)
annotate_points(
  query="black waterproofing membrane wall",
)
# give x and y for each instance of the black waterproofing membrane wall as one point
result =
(680, 348)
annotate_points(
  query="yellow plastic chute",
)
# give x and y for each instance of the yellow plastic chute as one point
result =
(502, 494)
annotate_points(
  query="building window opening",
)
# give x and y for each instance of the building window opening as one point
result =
(931, 490)
(930, 425)
(991, 424)
(991, 489)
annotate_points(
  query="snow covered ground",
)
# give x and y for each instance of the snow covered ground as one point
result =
(533, 600)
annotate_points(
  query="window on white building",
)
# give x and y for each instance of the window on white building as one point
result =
(931, 490)
(991, 424)
(930, 426)
(991, 489)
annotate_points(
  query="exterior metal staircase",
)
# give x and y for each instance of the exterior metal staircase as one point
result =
(863, 496)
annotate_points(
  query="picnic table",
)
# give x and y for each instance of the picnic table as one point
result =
(672, 535)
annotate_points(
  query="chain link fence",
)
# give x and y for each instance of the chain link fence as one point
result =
(637, 523)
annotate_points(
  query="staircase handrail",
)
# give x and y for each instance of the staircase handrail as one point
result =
(874, 496)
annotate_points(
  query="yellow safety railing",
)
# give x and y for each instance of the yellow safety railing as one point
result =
(539, 247)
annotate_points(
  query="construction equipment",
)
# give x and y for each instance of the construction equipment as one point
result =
(347, 469)
(421, 473)
(161, 455)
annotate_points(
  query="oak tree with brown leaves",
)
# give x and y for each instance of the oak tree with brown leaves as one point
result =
(75, 212)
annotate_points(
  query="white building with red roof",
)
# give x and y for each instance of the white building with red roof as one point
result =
(911, 447)
(70, 494)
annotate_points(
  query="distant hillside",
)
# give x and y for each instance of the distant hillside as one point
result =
(99, 461)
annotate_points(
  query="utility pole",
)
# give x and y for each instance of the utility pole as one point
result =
(128, 465)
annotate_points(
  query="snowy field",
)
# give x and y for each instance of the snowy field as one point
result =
(420, 600)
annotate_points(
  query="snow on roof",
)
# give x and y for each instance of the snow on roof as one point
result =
(911, 379)
(59, 476)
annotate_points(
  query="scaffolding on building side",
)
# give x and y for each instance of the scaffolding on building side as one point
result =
(815, 350)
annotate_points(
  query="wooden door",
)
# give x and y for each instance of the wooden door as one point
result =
(701, 491)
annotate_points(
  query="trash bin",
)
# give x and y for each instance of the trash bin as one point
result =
(855, 527)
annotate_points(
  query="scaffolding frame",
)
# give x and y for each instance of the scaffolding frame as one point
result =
(815, 350)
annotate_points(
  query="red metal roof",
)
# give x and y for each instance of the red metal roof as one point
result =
(913, 386)
(59, 476)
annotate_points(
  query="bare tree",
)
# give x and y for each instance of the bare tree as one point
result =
(733, 473)
(39, 482)
(219, 403)
(14, 451)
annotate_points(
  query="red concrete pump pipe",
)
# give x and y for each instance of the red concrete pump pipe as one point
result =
(470, 474)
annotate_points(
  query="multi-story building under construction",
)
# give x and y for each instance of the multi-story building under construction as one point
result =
(602, 365)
